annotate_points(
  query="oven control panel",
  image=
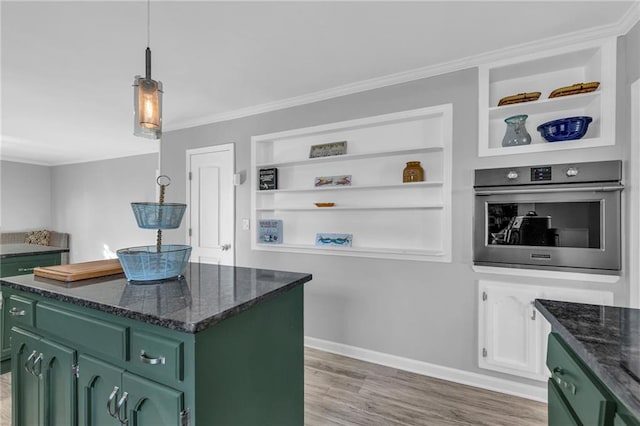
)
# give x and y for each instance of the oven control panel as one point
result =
(539, 174)
(545, 174)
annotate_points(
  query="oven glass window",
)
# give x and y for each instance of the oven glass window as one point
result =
(564, 224)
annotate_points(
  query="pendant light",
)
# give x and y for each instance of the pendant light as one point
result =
(147, 97)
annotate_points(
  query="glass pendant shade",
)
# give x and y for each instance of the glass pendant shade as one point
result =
(147, 100)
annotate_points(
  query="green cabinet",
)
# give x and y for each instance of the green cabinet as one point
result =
(73, 365)
(42, 375)
(109, 395)
(576, 396)
(10, 266)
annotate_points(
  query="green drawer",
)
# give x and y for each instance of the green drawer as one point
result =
(16, 310)
(156, 356)
(559, 411)
(586, 397)
(21, 265)
(20, 310)
(96, 335)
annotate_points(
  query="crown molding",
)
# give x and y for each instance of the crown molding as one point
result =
(590, 35)
(630, 19)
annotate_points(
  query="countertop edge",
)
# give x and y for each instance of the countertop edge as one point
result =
(603, 375)
(54, 250)
(191, 328)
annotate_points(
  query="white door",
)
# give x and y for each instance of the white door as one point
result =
(211, 204)
(509, 335)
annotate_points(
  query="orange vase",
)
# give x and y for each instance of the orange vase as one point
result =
(413, 172)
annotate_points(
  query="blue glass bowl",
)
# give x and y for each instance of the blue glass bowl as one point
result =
(145, 263)
(157, 216)
(565, 129)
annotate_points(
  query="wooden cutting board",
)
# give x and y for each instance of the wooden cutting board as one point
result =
(79, 271)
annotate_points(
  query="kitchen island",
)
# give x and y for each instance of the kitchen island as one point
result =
(224, 346)
(594, 358)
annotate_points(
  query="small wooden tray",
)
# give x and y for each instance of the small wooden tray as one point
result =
(520, 97)
(575, 89)
(80, 271)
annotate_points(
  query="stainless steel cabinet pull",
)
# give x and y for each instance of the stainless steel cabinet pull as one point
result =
(38, 362)
(533, 311)
(15, 312)
(112, 396)
(26, 364)
(122, 407)
(25, 269)
(556, 373)
(152, 361)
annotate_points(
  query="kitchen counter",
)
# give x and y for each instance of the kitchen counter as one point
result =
(207, 295)
(15, 250)
(224, 345)
(603, 337)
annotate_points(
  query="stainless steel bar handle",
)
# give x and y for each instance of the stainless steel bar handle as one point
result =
(549, 190)
(113, 396)
(37, 361)
(26, 364)
(15, 312)
(122, 407)
(556, 373)
(26, 269)
(146, 359)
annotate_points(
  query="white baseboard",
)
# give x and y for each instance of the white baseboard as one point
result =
(445, 373)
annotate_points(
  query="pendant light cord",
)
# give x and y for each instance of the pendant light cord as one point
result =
(148, 23)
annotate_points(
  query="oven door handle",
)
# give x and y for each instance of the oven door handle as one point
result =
(602, 188)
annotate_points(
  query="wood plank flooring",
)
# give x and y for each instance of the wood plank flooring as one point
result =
(341, 391)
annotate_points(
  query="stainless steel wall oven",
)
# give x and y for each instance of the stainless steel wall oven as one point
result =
(560, 217)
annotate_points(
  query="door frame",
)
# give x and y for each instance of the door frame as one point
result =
(634, 199)
(208, 150)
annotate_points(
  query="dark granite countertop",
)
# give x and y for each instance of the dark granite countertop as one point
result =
(207, 295)
(605, 338)
(14, 250)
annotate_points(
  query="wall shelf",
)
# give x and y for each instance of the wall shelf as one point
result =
(361, 207)
(387, 218)
(351, 187)
(545, 72)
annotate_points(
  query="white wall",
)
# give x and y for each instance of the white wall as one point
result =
(25, 197)
(90, 201)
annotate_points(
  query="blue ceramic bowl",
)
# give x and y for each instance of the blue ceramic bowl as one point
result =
(157, 216)
(145, 263)
(565, 129)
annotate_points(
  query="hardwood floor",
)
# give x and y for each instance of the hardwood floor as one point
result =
(342, 391)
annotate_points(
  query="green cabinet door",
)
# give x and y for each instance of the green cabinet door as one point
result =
(24, 378)
(150, 403)
(58, 383)
(559, 411)
(99, 390)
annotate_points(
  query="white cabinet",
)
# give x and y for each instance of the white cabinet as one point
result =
(545, 72)
(512, 335)
(386, 217)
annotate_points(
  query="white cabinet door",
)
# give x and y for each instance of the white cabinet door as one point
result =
(509, 334)
(512, 335)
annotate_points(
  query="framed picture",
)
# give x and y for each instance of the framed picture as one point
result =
(268, 179)
(270, 231)
(328, 149)
(335, 240)
(341, 180)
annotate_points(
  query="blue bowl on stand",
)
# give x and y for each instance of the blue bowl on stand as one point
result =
(565, 129)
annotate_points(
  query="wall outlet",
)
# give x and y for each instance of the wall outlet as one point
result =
(245, 224)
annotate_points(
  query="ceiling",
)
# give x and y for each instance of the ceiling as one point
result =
(67, 67)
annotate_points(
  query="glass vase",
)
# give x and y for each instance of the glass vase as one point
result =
(413, 172)
(516, 133)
